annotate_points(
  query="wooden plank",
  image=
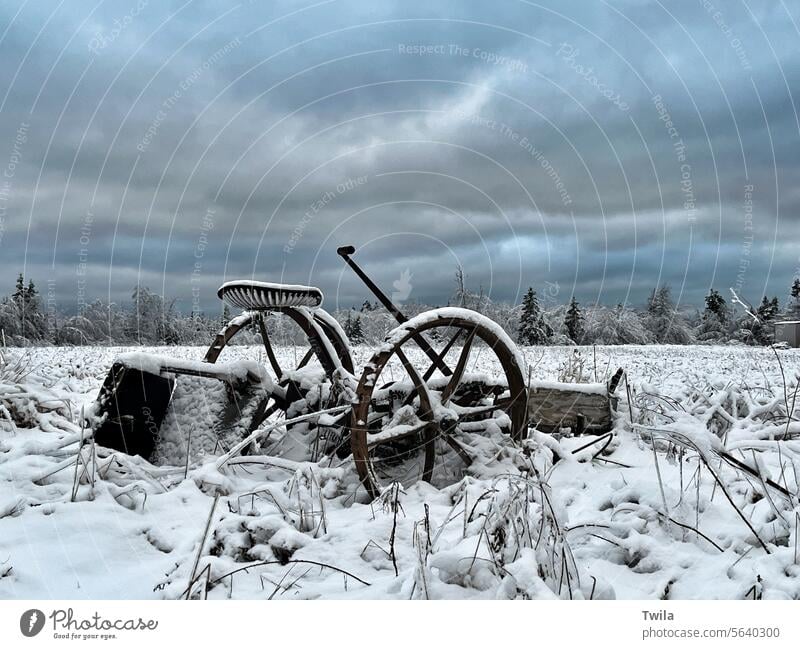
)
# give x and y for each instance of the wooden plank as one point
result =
(550, 409)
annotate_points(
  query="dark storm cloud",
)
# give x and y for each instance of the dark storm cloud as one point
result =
(594, 147)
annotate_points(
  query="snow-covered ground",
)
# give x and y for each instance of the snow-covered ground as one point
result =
(623, 520)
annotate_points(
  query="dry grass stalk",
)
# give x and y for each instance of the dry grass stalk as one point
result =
(199, 554)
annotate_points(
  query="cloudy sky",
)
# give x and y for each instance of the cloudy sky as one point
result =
(590, 148)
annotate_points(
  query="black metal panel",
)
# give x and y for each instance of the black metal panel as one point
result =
(131, 407)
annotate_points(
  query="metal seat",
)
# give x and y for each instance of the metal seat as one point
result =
(266, 296)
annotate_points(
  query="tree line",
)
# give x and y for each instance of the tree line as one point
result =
(151, 319)
(148, 319)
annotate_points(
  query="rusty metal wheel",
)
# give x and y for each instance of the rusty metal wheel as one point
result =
(422, 417)
(327, 341)
(326, 363)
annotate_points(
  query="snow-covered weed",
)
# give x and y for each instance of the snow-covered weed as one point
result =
(574, 368)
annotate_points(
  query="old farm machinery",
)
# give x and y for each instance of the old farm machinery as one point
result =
(428, 404)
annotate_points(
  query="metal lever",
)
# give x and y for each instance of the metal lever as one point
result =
(344, 252)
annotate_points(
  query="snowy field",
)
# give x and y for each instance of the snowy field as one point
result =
(619, 519)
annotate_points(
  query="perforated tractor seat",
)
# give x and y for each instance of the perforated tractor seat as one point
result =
(263, 296)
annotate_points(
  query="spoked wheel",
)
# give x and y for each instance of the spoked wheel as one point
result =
(327, 342)
(419, 417)
(328, 351)
(325, 364)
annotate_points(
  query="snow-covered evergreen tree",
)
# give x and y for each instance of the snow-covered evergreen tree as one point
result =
(793, 308)
(768, 309)
(715, 321)
(573, 322)
(22, 314)
(533, 330)
(761, 328)
(19, 289)
(663, 321)
(717, 305)
(357, 334)
(352, 328)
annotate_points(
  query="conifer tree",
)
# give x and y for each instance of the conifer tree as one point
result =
(716, 304)
(573, 322)
(794, 306)
(714, 323)
(663, 321)
(762, 330)
(533, 330)
(19, 288)
(31, 322)
(353, 329)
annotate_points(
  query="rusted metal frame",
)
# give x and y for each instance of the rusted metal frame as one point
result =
(425, 397)
(334, 333)
(452, 386)
(426, 407)
(449, 390)
(359, 426)
(412, 430)
(461, 365)
(425, 401)
(427, 410)
(515, 404)
(273, 360)
(453, 443)
(358, 432)
(312, 331)
(314, 328)
(432, 368)
(304, 361)
(345, 252)
(518, 393)
(228, 331)
(517, 390)
(317, 332)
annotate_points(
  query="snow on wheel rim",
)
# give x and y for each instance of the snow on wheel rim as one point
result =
(475, 326)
